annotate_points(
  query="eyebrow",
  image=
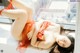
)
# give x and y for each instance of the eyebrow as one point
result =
(63, 44)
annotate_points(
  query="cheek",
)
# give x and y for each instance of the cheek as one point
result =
(68, 43)
(61, 43)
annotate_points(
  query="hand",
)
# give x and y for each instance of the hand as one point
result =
(29, 35)
(42, 38)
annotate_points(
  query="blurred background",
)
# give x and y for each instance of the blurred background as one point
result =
(60, 11)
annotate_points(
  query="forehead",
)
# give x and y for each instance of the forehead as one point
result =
(65, 37)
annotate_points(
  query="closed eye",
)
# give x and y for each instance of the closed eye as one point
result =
(64, 40)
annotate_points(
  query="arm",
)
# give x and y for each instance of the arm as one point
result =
(30, 34)
(49, 35)
(41, 44)
(47, 43)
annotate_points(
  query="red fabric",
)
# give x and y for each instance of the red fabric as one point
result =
(1, 11)
(25, 41)
(8, 7)
(44, 25)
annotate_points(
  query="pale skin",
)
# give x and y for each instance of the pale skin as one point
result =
(22, 15)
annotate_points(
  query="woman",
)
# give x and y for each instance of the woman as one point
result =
(62, 49)
(41, 34)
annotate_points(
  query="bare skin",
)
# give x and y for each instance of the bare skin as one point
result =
(22, 15)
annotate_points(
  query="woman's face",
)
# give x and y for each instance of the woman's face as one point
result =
(63, 41)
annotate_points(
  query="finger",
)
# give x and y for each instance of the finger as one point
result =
(29, 38)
